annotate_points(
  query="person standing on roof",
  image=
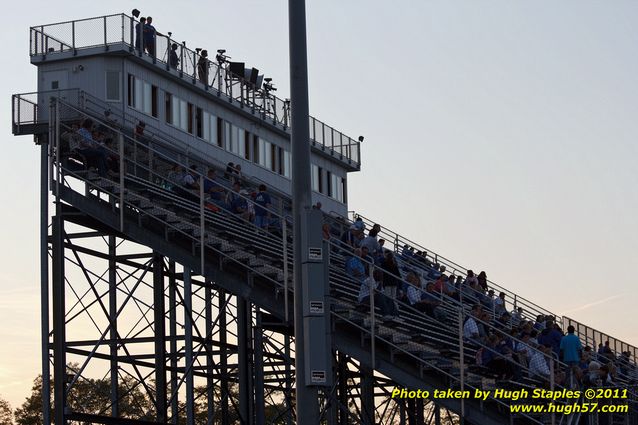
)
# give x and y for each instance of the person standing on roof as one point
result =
(173, 59)
(263, 202)
(149, 36)
(140, 27)
(202, 67)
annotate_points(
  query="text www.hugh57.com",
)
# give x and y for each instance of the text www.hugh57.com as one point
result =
(568, 409)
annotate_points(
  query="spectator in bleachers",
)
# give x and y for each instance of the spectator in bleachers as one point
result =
(370, 242)
(604, 353)
(230, 170)
(392, 276)
(90, 149)
(496, 357)
(431, 303)
(499, 304)
(350, 239)
(538, 364)
(214, 190)
(354, 266)
(471, 280)
(540, 323)
(523, 349)
(517, 316)
(482, 280)
(189, 179)
(570, 347)
(237, 203)
(263, 203)
(371, 283)
(470, 327)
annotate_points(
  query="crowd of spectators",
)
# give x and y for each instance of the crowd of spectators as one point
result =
(506, 342)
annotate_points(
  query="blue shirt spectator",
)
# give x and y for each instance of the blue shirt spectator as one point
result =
(570, 347)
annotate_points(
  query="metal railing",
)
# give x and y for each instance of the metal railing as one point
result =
(399, 241)
(593, 337)
(110, 30)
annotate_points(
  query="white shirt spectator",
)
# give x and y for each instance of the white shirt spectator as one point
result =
(413, 294)
(364, 289)
(538, 365)
(470, 328)
(371, 243)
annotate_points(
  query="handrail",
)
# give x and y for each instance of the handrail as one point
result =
(202, 72)
(451, 264)
(594, 336)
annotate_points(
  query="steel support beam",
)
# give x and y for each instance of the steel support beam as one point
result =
(59, 336)
(115, 411)
(258, 362)
(210, 383)
(172, 319)
(367, 395)
(44, 278)
(244, 335)
(223, 354)
(160, 336)
(188, 347)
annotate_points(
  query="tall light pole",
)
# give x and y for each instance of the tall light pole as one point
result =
(306, 396)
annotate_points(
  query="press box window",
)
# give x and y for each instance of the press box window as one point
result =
(142, 96)
(113, 89)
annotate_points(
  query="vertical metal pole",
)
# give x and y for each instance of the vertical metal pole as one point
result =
(73, 36)
(367, 395)
(59, 335)
(201, 223)
(243, 342)
(223, 358)
(288, 369)
(342, 366)
(210, 383)
(258, 349)
(372, 324)
(461, 362)
(552, 382)
(188, 347)
(122, 166)
(160, 336)
(284, 240)
(113, 323)
(172, 323)
(44, 276)
(105, 37)
(301, 197)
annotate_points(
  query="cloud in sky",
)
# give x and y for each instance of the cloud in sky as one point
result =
(592, 304)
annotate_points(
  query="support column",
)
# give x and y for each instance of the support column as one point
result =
(258, 349)
(245, 370)
(210, 383)
(306, 396)
(188, 347)
(367, 395)
(420, 420)
(172, 320)
(114, 366)
(223, 360)
(437, 414)
(342, 365)
(288, 368)
(160, 336)
(44, 280)
(59, 335)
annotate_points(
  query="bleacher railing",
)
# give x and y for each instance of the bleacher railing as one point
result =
(108, 31)
(593, 337)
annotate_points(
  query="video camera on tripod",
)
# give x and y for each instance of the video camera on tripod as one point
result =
(221, 57)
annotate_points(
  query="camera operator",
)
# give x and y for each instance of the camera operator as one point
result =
(202, 67)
